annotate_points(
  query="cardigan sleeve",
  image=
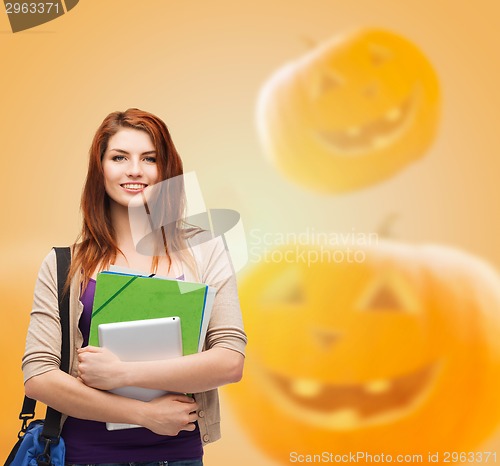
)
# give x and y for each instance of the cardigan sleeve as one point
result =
(225, 328)
(43, 341)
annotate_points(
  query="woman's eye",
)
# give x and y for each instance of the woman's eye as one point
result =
(118, 158)
(150, 159)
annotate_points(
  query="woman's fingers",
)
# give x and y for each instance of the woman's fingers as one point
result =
(90, 349)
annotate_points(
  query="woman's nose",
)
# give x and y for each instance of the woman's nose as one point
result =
(134, 168)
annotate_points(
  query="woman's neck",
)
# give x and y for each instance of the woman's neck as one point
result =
(121, 226)
(131, 258)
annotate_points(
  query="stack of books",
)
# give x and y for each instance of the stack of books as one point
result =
(125, 297)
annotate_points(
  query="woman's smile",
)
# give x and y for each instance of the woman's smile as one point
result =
(134, 187)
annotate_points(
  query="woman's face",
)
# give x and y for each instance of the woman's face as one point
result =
(129, 165)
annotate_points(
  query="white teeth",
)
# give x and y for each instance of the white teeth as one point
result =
(344, 418)
(394, 114)
(306, 388)
(377, 386)
(133, 186)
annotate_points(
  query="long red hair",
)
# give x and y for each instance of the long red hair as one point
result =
(98, 247)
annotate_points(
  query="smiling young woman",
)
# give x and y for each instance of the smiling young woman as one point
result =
(137, 133)
(131, 151)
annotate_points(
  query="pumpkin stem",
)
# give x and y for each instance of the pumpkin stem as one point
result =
(385, 228)
(309, 42)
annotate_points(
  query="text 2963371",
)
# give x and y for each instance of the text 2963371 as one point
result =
(25, 8)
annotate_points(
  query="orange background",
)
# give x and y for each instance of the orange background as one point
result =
(199, 66)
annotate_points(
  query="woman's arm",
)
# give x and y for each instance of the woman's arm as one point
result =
(99, 368)
(167, 415)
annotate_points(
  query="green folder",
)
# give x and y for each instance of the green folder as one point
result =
(122, 298)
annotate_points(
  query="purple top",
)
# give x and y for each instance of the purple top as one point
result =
(89, 442)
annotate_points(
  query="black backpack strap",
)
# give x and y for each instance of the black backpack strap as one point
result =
(63, 256)
(27, 413)
(52, 426)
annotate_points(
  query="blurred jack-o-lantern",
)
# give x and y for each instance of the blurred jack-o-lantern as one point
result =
(350, 113)
(388, 349)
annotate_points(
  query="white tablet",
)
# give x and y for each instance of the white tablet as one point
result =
(141, 340)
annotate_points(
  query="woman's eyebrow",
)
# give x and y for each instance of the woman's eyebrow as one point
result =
(119, 150)
(125, 152)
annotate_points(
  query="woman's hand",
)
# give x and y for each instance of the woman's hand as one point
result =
(100, 368)
(170, 414)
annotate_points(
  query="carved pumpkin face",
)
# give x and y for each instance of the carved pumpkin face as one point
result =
(397, 353)
(352, 112)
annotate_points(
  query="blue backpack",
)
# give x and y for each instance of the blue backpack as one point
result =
(35, 450)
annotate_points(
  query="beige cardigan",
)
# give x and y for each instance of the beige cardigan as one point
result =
(43, 343)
